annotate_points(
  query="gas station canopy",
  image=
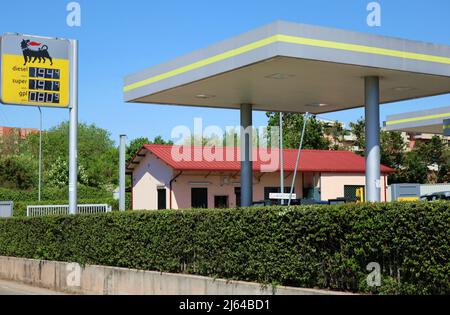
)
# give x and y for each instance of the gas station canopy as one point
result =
(290, 67)
(427, 121)
(295, 68)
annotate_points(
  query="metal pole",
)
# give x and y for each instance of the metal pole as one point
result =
(373, 155)
(73, 129)
(281, 158)
(122, 173)
(246, 155)
(40, 156)
(305, 121)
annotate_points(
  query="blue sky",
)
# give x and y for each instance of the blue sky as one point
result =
(120, 37)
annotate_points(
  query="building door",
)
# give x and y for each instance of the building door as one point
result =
(237, 192)
(199, 198)
(221, 202)
(162, 199)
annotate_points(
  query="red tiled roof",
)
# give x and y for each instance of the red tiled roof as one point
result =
(311, 160)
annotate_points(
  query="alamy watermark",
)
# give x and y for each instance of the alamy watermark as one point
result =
(374, 17)
(374, 277)
(73, 278)
(214, 144)
(74, 16)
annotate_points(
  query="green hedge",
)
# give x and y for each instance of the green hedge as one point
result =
(315, 246)
(85, 193)
(20, 208)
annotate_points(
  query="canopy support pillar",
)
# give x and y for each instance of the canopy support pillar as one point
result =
(373, 152)
(246, 155)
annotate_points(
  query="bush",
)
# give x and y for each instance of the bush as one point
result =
(315, 246)
(16, 172)
(51, 194)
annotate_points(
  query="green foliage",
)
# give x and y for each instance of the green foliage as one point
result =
(412, 167)
(415, 169)
(293, 125)
(393, 148)
(436, 153)
(337, 132)
(359, 130)
(52, 194)
(96, 151)
(11, 143)
(58, 176)
(136, 145)
(315, 246)
(17, 172)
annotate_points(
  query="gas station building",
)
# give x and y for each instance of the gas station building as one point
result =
(288, 67)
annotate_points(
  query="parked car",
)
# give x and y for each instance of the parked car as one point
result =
(436, 196)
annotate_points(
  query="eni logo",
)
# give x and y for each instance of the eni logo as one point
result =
(34, 51)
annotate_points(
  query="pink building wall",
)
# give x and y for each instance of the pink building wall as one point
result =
(218, 186)
(147, 177)
(333, 184)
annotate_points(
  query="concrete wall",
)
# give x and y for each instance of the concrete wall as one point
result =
(100, 280)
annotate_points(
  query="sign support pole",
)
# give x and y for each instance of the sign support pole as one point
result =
(281, 158)
(73, 129)
(40, 156)
(305, 121)
(122, 173)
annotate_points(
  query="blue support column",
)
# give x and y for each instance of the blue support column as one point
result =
(246, 155)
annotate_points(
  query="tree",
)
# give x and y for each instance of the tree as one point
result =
(96, 152)
(10, 143)
(414, 170)
(293, 125)
(436, 154)
(359, 130)
(393, 148)
(444, 173)
(392, 144)
(58, 176)
(337, 132)
(136, 144)
(17, 172)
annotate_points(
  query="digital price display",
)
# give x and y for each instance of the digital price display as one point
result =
(45, 73)
(34, 72)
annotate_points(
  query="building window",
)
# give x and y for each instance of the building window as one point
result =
(162, 199)
(199, 198)
(221, 202)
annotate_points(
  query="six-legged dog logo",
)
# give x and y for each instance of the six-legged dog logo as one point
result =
(34, 51)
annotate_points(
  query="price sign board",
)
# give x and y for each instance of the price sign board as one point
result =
(34, 71)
